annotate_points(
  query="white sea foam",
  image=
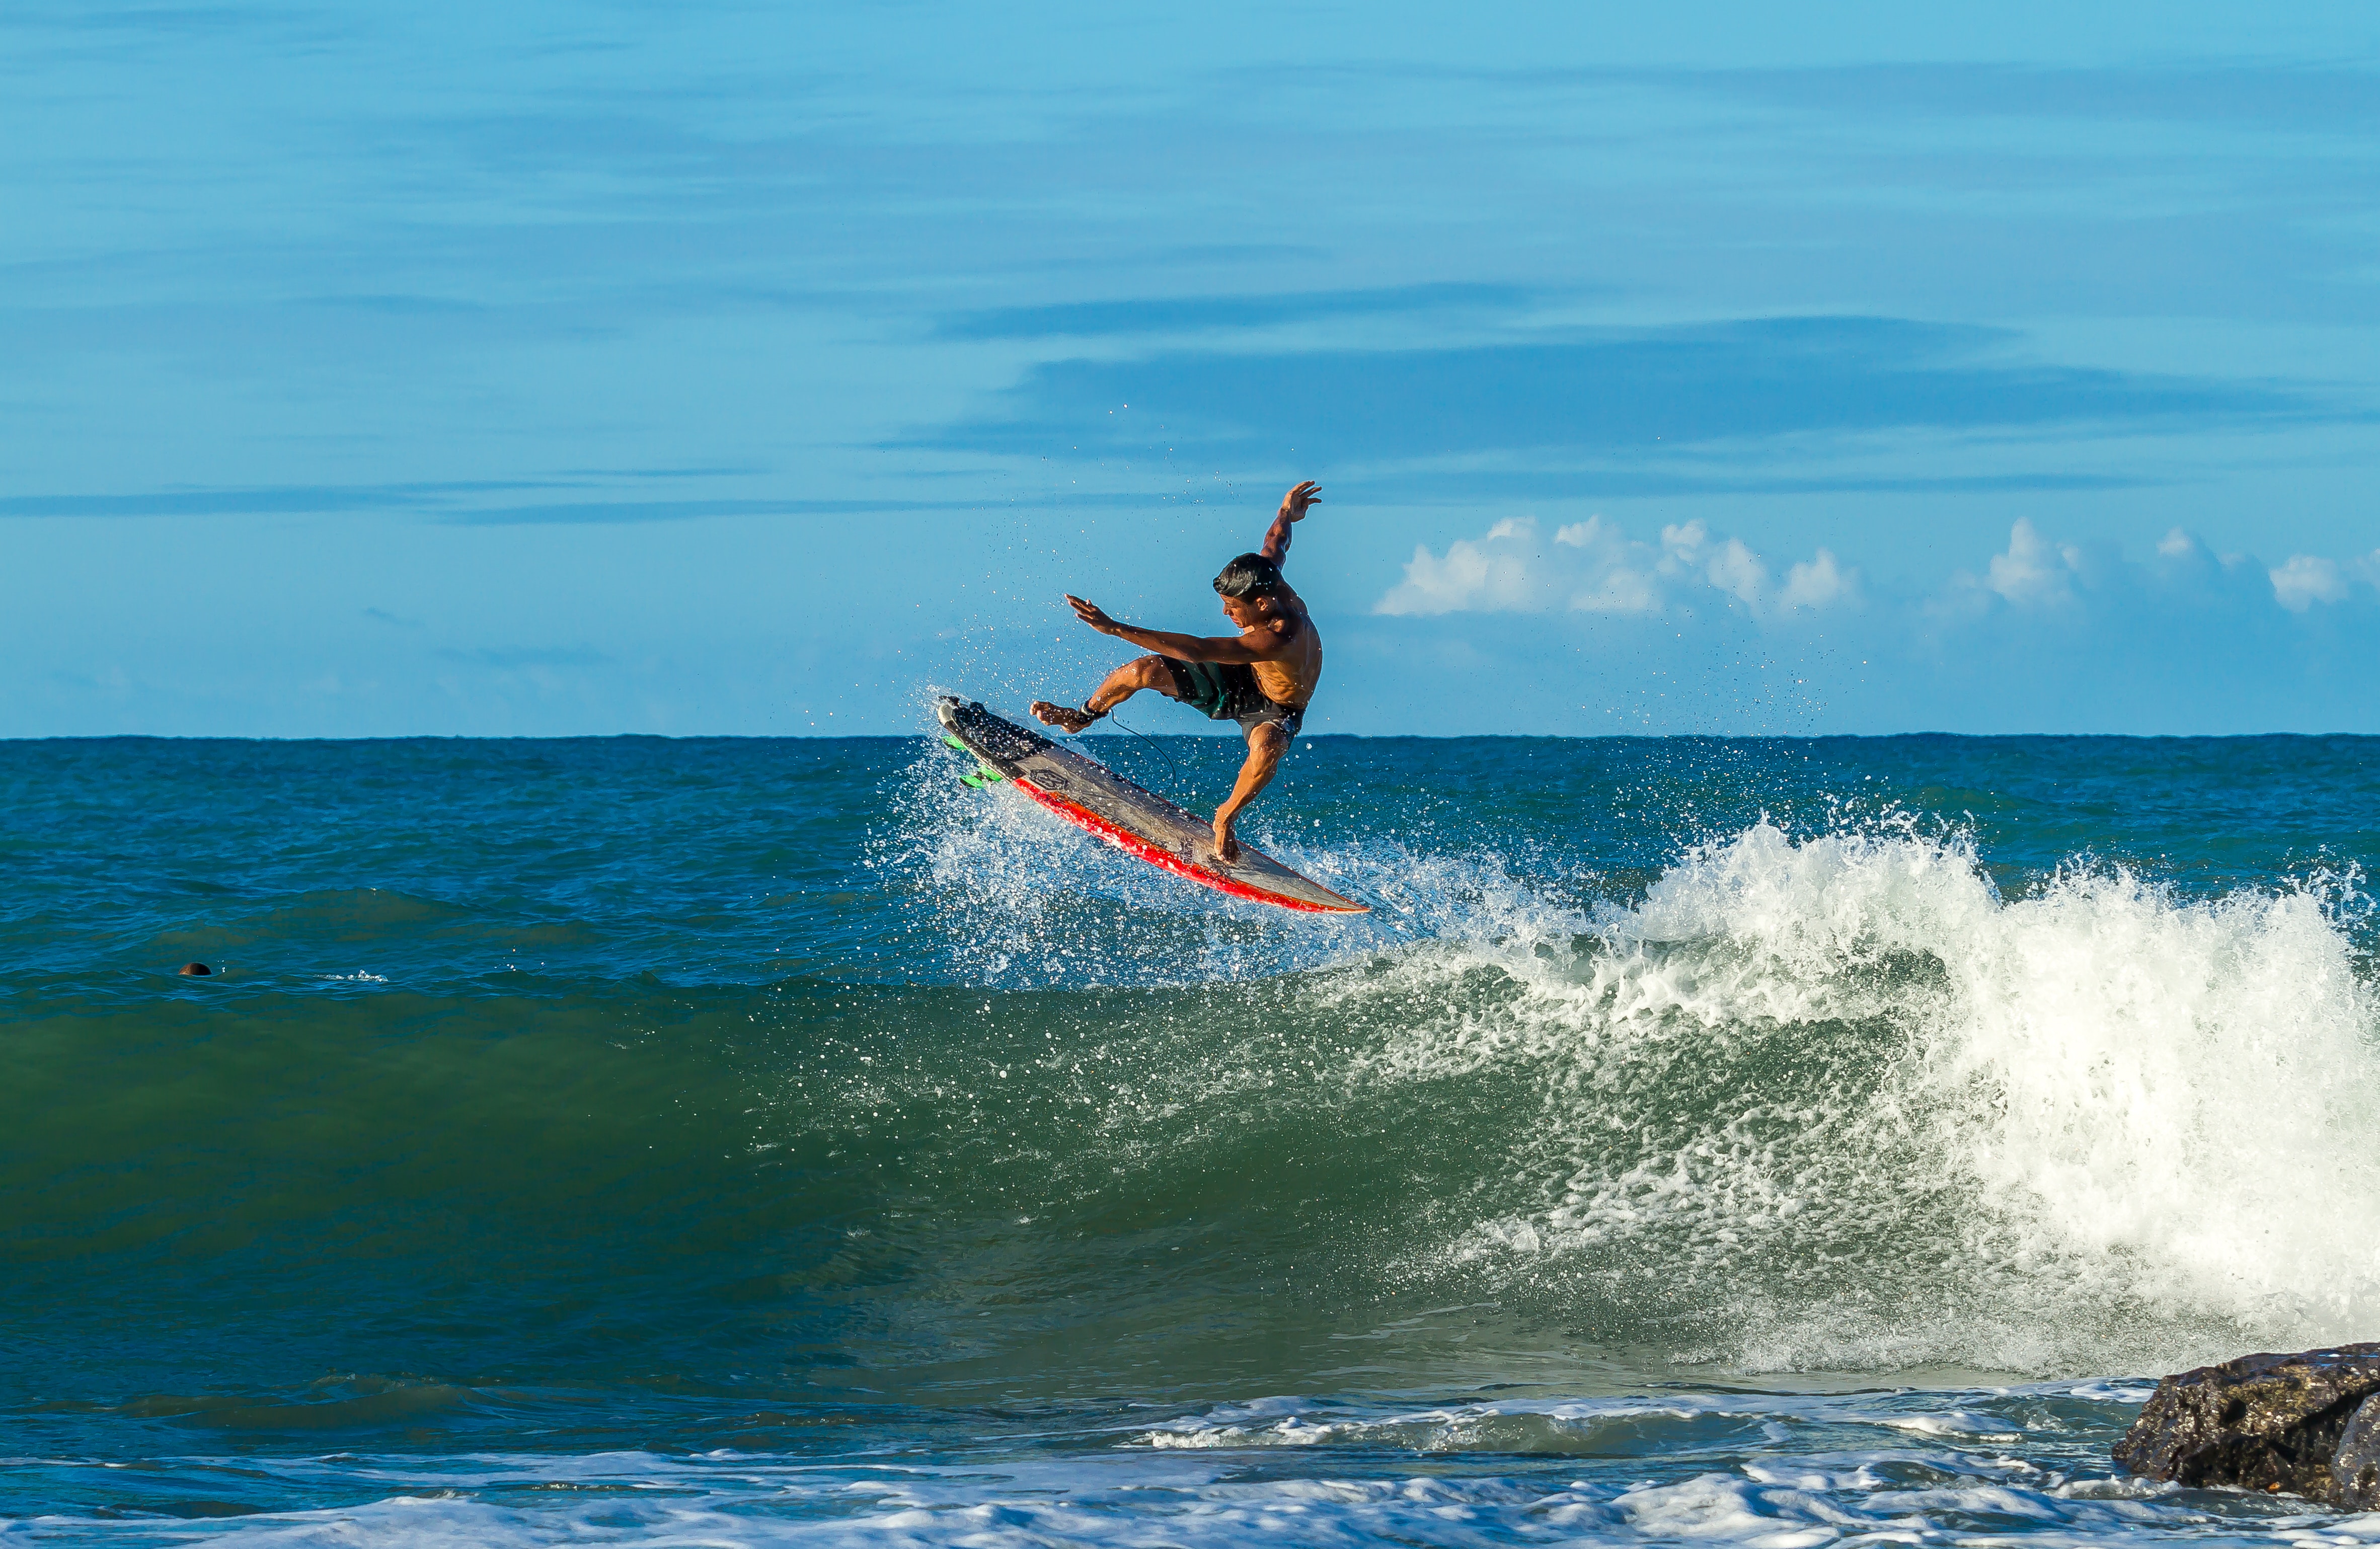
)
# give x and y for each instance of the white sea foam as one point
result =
(1857, 1477)
(1897, 1118)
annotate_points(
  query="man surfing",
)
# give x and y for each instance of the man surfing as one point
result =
(1262, 677)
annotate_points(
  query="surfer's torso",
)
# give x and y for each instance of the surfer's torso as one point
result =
(1291, 678)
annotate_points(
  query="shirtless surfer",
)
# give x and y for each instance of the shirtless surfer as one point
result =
(1262, 677)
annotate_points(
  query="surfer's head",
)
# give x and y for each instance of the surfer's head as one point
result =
(1250, 576)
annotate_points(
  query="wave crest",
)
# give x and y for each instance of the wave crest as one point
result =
(1836, 1102)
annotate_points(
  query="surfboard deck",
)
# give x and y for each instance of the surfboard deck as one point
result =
(1099, 800)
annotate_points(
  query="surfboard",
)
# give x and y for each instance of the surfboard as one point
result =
(1099, 800)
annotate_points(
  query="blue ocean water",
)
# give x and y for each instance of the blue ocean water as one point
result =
(1783, 1142)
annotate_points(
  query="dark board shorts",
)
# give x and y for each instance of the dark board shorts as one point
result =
(1226, 691)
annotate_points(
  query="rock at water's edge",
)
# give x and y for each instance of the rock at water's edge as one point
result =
(2264, 1422)
(2355, 1473)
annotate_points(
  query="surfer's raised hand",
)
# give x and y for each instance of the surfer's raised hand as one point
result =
(1293, 507)
(1090, 614)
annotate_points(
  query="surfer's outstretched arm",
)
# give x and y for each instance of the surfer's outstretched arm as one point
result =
(1293, 506)
(1241, 651)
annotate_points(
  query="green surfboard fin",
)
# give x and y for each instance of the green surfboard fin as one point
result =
(984, 773)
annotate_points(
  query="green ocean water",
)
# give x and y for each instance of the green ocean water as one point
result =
(726, 1141)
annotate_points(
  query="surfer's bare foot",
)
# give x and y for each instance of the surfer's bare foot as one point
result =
(1225, 845)
(1066, 717)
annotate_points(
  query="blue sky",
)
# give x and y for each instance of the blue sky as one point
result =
(539, 369)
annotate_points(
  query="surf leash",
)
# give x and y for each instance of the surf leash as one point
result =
(1170, 764)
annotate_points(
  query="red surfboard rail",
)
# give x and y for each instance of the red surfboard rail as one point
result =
(1157, 855)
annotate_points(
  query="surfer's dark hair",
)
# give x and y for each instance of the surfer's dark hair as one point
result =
(1250, 575)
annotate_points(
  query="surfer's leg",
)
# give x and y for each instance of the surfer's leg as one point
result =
(1268, 740)
(1143, 672)
(1147, 672)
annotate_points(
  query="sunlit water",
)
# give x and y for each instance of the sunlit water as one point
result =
(729, 1142)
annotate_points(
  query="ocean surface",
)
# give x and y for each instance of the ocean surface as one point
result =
(632, 1141)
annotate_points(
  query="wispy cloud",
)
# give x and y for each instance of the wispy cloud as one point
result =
(463, 503)
(1635, 393)
(264, 501)
(455, 503)
(1186, 314)
(605, 513)
(1612, 479)
(2294, 96)
(459, 500)
(512, 657)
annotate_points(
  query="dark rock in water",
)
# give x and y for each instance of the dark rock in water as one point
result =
(2268, 1422)
(2355, 1473)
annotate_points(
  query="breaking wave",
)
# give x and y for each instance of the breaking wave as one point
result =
(1827, 1100)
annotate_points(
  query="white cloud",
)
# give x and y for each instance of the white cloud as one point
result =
(1820, 582)
(1620, 591)
(1496, 574)
(1592, 566)
(2035, 572)
(1738, 572)
(1611, 573)
(2307, 580)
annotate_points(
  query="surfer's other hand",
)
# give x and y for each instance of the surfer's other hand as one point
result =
(1090, 614)
(1300, 496)
(1226, 846)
